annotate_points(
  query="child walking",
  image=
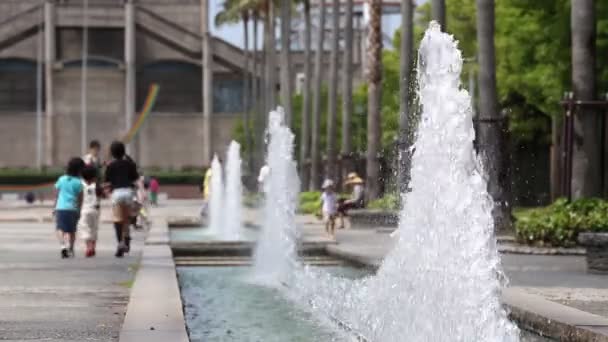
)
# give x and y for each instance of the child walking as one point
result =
(88, 225)
(329, 207)
(120, 177)
(68, 201)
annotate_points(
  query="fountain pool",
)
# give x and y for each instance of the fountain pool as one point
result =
(221, 304)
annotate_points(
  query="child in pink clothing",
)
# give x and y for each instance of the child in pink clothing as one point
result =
(154, 187)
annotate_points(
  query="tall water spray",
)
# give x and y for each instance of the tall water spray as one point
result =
(275, 253)
(441, 282)
(442, 279)
(216, 200)
(234, 193)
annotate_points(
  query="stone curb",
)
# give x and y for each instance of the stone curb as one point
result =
(155, 307)
(523, 249)
(552, 319)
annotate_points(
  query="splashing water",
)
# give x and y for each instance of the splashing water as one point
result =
(234, 194)
(216, 200)
(441, 281)
(275, 253)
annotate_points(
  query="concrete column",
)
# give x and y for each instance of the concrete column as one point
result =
(49, 60)
(130, 69)
(207, 62)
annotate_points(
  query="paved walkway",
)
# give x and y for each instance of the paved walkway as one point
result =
(45, 298)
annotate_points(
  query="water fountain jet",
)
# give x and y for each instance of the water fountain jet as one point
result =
(216, 201)
(275, 254)
(233, 194)
(442, 279)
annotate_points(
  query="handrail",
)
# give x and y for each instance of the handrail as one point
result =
(167, 21)
(22, 13)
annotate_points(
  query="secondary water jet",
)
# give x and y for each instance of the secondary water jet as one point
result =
(275, 254)
(216, 200)
(234, 194)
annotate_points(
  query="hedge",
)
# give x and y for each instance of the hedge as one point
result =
(34, 177)
(560, 223)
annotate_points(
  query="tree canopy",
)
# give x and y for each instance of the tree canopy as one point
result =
(533, 65)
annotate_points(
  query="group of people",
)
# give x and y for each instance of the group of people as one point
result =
(333, 207)
(86, 181)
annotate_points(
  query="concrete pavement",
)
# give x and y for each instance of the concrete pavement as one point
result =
(46, 298)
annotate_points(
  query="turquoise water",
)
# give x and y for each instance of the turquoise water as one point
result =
(222, 304)
(204, 234)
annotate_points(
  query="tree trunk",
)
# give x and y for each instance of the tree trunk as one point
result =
(407, 60)
(260, 93)
(332, 103)
(347, 88)
(492, 133)
(438, 13)
(271, 48)
(316, 116)
(305, 134)
(374, 94)
(246, 89)
(586, 168)
(286, 61)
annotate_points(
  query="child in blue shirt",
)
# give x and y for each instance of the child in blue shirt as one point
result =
(68, 201)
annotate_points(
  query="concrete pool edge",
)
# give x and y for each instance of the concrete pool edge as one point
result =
(530, 312)
(554, 320)
(155, 311)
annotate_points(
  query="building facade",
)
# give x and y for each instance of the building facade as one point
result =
(76, 70)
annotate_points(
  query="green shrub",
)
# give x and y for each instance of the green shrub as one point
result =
(309, 202)
(559, 223)
(28, 176)
(178, 177)
(35, 177)
(388, 202)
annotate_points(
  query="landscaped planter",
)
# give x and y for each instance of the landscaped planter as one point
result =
(597, 251)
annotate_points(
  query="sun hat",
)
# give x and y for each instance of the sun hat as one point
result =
(327, 183)
(353, 178)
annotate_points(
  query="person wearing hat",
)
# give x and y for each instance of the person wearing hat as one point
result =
(329, 206)
(357, 199)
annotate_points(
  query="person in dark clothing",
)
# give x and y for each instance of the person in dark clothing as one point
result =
(120, 177)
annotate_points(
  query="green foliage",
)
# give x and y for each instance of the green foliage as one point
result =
(533, 68)
(309, 202)
(388, 202)
(194, 177)
(559, 223)
(28, 176)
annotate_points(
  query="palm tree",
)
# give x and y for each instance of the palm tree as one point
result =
(347, 87)
(255, 91)
(232, 12)
(286, 60)
(407, 59)
(492, 137)
(270, 46)
(332, 107)
(374, 94)
(316, 116)
(586, 168)
(438, 13)
(305, 134)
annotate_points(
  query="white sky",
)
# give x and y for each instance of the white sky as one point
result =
(234, 33)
